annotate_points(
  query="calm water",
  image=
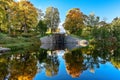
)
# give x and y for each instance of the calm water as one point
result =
(72, 63)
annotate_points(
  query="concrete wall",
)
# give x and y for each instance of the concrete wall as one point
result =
(56, 38)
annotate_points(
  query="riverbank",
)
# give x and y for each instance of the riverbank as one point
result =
(18, 43)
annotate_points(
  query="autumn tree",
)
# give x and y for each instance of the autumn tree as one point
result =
(74, 21)
(21, 15)
(27, 16)
(13, 19)
(2, 13)
(5, 14)
(52, 18)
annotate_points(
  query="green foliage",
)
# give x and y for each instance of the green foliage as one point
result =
(86, 32)
(28, 15)
(41, 27)
(91, 20)
(3, 70)
(101, 32)
(115, 27)
(52, 18)
(15, 16)
(4, 14)
(19, 43)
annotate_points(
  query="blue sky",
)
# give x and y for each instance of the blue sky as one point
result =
(103, 8)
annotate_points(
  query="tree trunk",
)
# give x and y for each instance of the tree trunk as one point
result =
(0, 28)
(25, 28)
(25, 25)
(9, 30)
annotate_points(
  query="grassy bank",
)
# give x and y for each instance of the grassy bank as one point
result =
(18, 43)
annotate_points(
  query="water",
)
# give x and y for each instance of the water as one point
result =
(71, 63)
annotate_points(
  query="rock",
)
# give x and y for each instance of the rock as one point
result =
(2, 50)
(83, 43)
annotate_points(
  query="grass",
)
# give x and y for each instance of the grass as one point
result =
(18, 43)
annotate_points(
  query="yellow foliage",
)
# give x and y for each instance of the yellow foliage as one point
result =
(2, 60)
(25, 77)
(67, 32)
(88, 50)
(57, 30)
(116, 63)
(74, 21)
(49, 31)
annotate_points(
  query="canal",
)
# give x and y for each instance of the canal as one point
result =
(62, 63)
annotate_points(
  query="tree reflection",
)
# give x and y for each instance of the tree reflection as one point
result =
(48, 60)
(97, 55)
(3, 68)
(115, 59)
(90, 58)
(52, 63)
(74, 62)
(23, 67)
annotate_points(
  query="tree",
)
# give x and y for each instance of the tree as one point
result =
(41, 27)
(115, 27)
(27, 16)
(116, 22)
(91, 20)
(4, 14)
(13, 19)
(40, 14)
(74, 21)
(52, 18)
(22, 16)
(102, 24)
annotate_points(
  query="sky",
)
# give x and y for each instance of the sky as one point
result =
(107, 9)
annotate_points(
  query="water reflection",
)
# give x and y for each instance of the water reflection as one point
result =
(3, 68)
(59, 46)
(46, 64)
(48, 60)
(74, 62)
(19, 67)
(115, 59)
